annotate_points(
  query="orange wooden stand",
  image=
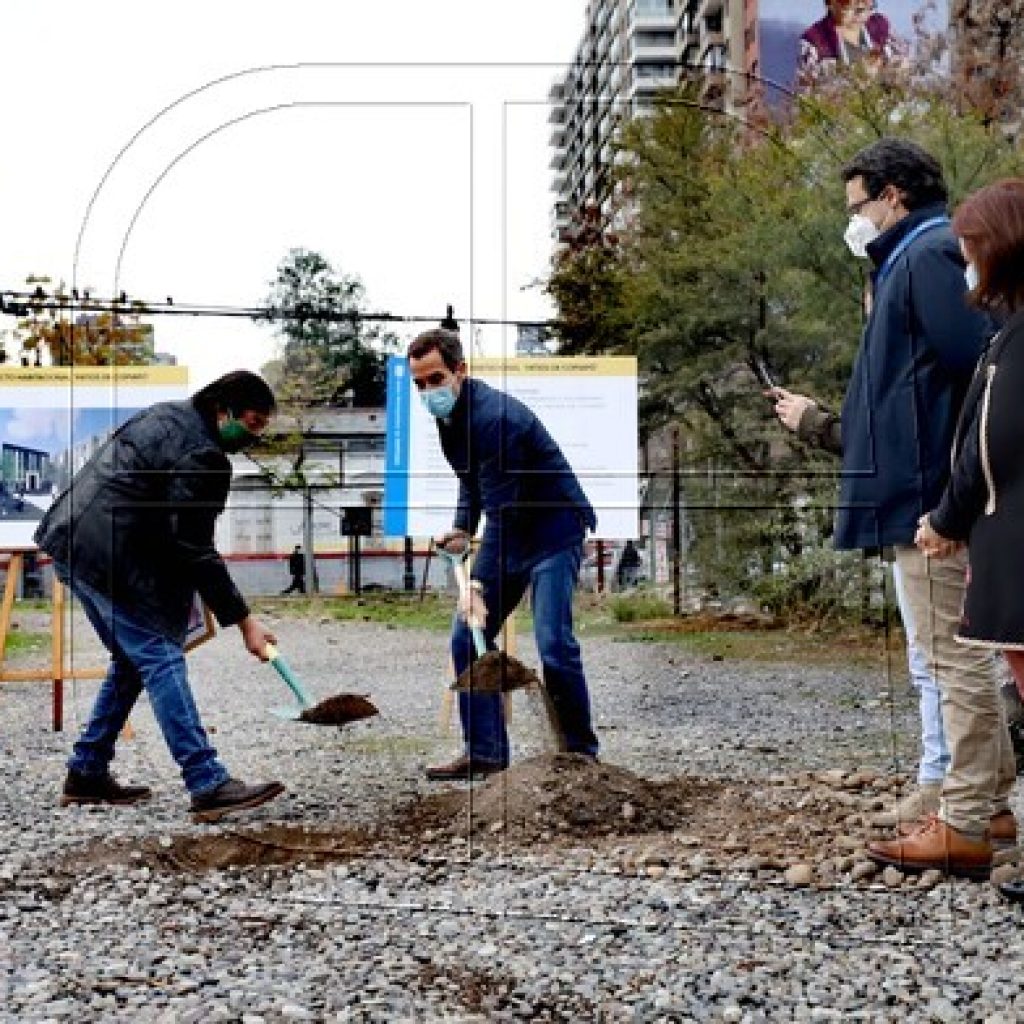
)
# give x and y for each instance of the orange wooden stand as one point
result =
(58, 670)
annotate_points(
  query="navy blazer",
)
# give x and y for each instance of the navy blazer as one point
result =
(511, 470)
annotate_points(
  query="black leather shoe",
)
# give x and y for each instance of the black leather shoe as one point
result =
(1013, 891)
(231, 796)
(462, 769)
(100, 789)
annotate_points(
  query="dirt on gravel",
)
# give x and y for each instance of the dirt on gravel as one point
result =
(340, 710)
(698, 824)
(262, 846)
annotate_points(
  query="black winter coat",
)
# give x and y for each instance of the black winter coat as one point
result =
(137, 521)
(912, 370)
(984, 502)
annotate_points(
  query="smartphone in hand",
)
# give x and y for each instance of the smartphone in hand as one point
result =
(763, 373)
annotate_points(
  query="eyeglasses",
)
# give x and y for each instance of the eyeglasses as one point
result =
(854, 208)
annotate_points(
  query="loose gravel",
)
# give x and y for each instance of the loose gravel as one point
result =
(709, 869)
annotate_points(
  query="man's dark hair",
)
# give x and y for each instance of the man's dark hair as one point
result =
(903, 164)
(439, 339)
(235, 392)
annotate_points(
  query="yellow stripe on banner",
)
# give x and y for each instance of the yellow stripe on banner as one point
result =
(551, 366)
(94, 376)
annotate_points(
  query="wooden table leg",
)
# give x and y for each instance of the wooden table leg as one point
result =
(10, 588)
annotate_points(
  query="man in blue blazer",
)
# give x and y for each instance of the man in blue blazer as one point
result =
(513, 473)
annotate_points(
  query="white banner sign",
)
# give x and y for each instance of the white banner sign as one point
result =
(589, 407)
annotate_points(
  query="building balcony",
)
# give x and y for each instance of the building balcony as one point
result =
(557, 138)
(654, 12)
(666, 52)
(559, 159)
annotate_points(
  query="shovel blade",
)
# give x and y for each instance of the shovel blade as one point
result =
(289, 714)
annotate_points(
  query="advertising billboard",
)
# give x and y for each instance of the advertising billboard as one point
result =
(589, 405)
(803, 43)
(53, 419)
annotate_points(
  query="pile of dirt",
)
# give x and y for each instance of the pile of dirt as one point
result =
(565, 794)
(340, 710)
(569, 798)
(701, 825)
(496, 672)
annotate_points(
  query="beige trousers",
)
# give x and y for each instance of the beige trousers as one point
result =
(981, 768)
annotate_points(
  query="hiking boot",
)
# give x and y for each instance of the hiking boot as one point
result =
(936, 846)
(462, 769)
(100, 789)
(916, 806)
(1002, 829)
(231, 796)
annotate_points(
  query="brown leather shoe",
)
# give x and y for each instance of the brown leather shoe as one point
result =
(1002, 829)
(936, 846)
(462, 769)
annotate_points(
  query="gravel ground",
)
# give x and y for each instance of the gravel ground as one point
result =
(676, 925)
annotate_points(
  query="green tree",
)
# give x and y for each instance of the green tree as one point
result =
(732, 252)
(330, 353)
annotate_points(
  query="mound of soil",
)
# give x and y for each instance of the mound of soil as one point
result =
(496, 672)
(704, 825)
(568, 794)
(339, 710)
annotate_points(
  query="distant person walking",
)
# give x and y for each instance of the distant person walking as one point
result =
(297, 568)
(629, 566)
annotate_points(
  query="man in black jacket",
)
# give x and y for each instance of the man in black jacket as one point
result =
(133, 539)
(915, 361)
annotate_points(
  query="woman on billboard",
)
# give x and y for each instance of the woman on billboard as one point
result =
(851, 33)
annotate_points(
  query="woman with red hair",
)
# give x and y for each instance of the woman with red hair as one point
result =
(983, 505)
(984, 502)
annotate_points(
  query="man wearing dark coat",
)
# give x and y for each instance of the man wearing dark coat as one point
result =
(511, 472)
(132, 537)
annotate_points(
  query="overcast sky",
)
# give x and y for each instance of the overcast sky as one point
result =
(431, 183)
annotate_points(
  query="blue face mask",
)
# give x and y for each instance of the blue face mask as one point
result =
(440, 401)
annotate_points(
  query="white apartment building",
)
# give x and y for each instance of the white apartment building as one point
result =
(628, 51)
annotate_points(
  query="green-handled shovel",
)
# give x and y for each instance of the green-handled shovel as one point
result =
(302, 698)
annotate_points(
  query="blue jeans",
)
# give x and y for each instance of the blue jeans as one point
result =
(141, 658)
(552, 582)
(934, 751)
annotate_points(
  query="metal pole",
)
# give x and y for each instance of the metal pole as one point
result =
(307, 540)
(677, 532)
(409, 578)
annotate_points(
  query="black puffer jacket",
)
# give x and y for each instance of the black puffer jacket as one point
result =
(137, 521)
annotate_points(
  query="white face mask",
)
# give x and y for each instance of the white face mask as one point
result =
(972, 277)
(860, 233)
